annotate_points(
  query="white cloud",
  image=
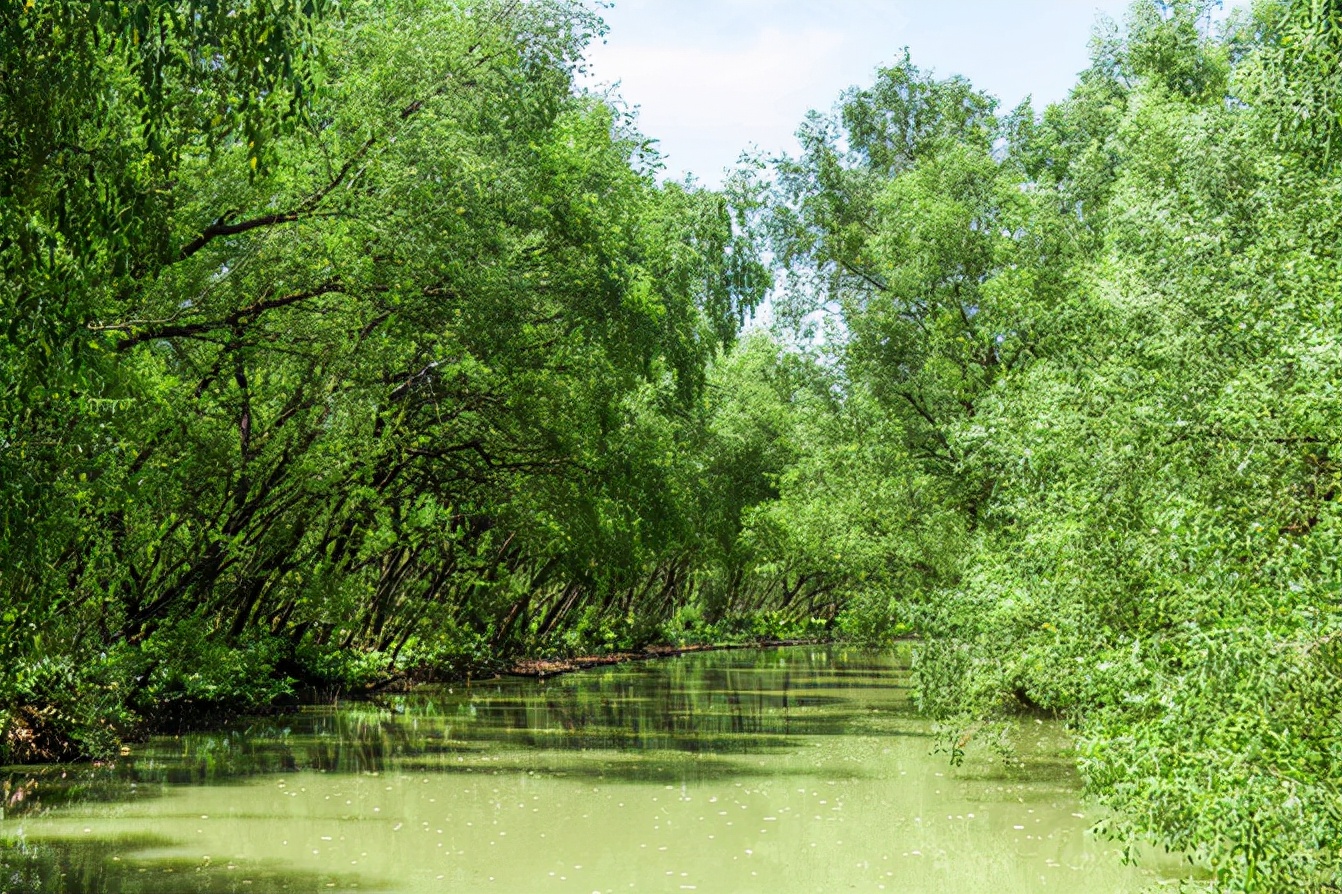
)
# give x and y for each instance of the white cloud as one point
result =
(735, 88)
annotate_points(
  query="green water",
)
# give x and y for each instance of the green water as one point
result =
(775, 771)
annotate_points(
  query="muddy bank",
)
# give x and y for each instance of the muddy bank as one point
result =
(33, 735)
(548, 667)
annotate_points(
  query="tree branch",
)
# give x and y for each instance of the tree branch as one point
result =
(233, 320)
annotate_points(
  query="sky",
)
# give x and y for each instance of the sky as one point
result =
(711, 78)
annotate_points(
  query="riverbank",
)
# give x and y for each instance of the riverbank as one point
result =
(541, 668)
(35, 735)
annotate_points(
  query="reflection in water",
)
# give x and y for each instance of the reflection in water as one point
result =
(782, 770)
(81, 867)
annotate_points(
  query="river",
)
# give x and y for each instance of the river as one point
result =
(782, 770)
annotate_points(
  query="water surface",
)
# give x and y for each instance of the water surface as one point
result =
(785, 770)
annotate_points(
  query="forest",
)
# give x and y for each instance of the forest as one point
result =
(351, 342)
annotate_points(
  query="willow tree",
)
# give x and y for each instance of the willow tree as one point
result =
(1100, 345)
(324, 328)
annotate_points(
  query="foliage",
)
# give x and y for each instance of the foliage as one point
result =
(340, 343)
(1086, 427)
(352, 341)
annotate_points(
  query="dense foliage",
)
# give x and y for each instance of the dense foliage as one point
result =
(1090, 417)
(347, 341)
(350, 340)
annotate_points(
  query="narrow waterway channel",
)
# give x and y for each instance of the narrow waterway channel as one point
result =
(785, 770)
